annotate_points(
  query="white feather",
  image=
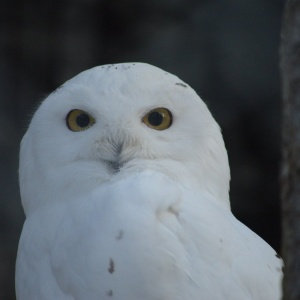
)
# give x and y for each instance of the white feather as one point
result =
(157, 227)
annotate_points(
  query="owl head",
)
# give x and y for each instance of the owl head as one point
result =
(116, 119)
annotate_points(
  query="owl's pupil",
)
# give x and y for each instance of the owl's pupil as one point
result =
(155, 118)
(83, 120)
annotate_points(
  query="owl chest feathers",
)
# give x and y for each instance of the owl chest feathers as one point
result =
(141, 235)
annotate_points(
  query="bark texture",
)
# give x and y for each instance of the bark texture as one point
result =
(290, 176)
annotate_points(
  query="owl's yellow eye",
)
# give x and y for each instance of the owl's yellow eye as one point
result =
(158, 118)
(79, 120)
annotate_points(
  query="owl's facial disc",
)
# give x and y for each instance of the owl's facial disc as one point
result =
(117, 146)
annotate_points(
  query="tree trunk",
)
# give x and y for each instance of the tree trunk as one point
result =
(290, 176)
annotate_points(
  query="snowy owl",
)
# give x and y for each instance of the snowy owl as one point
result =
(124, 181)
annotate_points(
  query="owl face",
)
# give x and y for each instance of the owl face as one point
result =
(116, 119)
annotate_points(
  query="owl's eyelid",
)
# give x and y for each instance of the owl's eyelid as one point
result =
(146, 112)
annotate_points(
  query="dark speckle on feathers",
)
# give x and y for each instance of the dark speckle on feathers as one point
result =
(277, 255)
(119, 235)
(173, 210)
(110, 293)
(181, 84)
(111, 267)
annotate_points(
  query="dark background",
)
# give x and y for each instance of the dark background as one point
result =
(226, 50)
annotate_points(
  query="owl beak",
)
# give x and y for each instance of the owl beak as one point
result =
(116, 164)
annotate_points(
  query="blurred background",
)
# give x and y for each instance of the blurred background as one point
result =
(227, 50)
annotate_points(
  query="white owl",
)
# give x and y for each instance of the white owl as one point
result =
(124, 181)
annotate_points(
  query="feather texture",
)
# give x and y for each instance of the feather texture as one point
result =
(122, 211)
